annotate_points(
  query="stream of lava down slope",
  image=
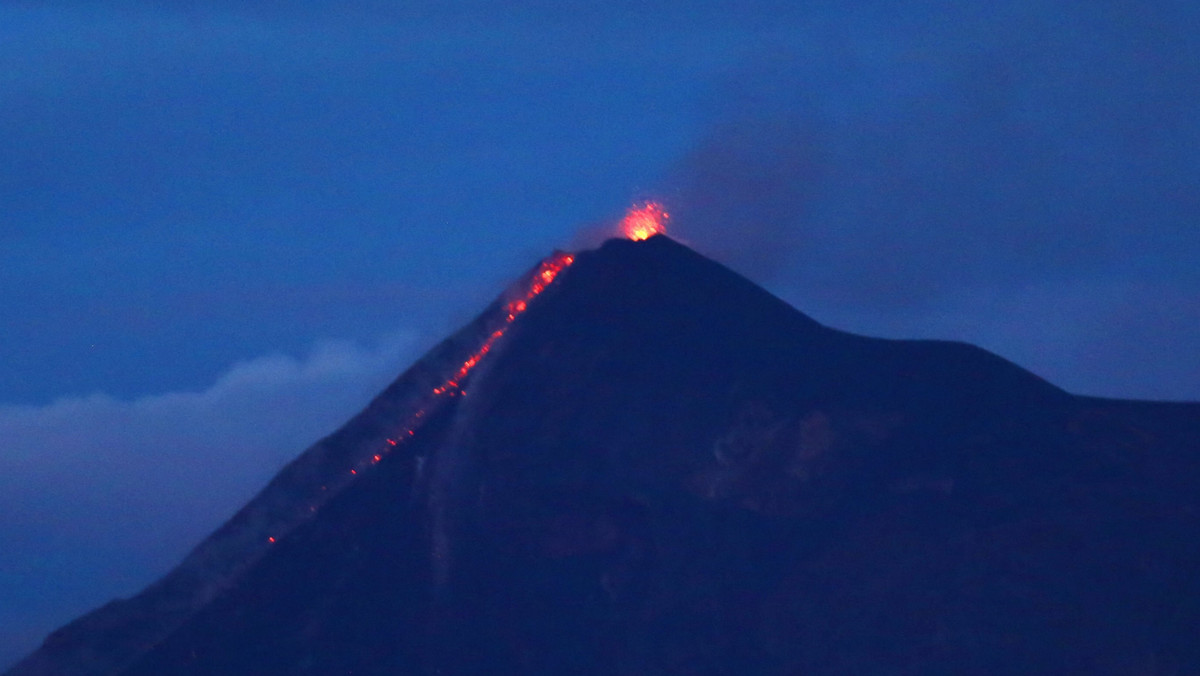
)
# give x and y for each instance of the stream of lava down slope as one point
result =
(641, 222)
(536, 283)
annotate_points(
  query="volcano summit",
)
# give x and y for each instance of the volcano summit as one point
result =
(638, 462)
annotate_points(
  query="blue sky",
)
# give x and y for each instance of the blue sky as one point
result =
(223, 229)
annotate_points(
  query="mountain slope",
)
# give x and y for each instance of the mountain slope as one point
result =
(660, 468)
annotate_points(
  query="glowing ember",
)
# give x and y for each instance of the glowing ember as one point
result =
(451, 387)
(545, 274)
(645, 221)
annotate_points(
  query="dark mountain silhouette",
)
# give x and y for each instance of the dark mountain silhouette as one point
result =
(659, 468)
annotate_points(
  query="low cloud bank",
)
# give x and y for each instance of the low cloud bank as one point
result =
(99, 496)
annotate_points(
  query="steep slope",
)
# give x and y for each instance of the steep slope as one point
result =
(661, 469)
(109, 638)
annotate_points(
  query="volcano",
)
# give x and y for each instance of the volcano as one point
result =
(637, 462)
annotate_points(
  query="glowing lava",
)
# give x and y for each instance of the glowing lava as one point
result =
(645, 221)
(518, 300)
(452, 386)
(545, 274)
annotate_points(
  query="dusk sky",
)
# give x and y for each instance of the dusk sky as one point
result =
(222, 230)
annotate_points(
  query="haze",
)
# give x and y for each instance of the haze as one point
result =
(224, 229)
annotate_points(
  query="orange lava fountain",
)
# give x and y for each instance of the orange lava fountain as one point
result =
(645, 221)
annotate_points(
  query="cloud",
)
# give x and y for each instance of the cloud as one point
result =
(883, 170)
(101, 495)
(891, 163)
(745, 191)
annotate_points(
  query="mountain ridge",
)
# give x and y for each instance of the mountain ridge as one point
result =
(648, 384)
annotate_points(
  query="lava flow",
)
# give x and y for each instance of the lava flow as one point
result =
(641, 222)
(452, 386)
(645, 221)
(545, 274)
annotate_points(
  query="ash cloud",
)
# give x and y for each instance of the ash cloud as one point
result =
(745, 191)
(878, 169)
(100, 495)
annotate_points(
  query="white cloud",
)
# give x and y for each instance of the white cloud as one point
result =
(99, 496)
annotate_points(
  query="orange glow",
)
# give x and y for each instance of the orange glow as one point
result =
(545, 275)
(645, 221)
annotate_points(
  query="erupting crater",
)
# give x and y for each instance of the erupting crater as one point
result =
(645, 221)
